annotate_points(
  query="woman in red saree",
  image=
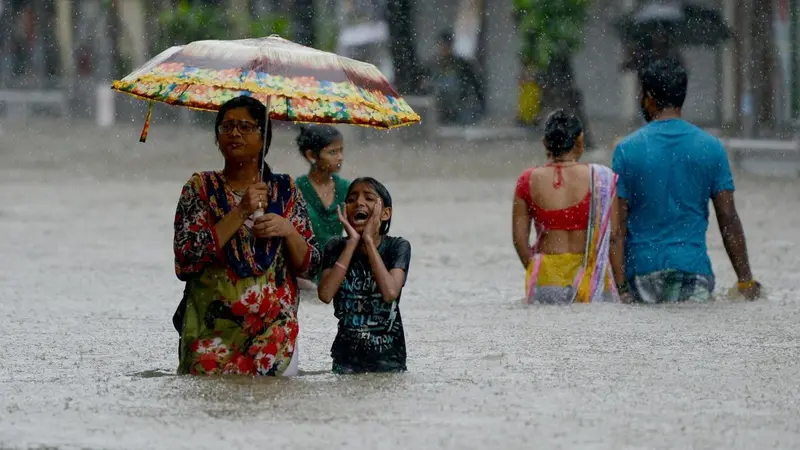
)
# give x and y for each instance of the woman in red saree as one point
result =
(573, 207)
(239, 311)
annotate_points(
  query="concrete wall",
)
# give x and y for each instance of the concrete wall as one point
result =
(597, 65)
(430, 17)
(502, 64)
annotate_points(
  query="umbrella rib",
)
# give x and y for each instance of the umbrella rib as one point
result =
(369, 104)
(186, 88)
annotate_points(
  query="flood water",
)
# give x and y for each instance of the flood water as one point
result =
(88, 352)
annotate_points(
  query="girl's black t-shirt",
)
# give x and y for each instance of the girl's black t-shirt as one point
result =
(370, 335)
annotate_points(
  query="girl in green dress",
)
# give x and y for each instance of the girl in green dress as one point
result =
(323, 189)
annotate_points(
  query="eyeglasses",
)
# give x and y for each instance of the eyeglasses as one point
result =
(244, 126)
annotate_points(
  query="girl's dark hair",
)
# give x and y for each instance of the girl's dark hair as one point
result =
(259, 113)
(561, 132)
(315, 138)
(382, 192)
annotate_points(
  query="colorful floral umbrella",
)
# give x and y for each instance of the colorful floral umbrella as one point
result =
(297, 83)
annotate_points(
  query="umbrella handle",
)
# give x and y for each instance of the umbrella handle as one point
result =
(260, 211)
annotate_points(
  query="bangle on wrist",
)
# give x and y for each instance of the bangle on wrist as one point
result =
(341, 266)
(746, 284)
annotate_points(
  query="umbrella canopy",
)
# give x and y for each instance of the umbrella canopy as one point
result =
(297, 83)
(683, 25)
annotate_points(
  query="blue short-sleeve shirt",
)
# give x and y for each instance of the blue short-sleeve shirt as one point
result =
(668, 171)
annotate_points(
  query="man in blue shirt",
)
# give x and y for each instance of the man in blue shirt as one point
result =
(668, 170)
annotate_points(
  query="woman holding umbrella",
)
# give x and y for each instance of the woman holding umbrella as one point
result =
(239, 312)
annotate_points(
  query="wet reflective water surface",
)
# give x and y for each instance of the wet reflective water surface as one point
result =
(88, 352)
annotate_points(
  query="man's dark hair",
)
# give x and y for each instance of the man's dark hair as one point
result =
(665, 80)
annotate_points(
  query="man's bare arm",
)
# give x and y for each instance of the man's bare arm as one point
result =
(730, 226)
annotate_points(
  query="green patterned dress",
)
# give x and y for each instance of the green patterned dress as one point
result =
(239, 311)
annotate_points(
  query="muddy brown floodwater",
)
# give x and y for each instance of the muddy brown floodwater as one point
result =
(87, 290)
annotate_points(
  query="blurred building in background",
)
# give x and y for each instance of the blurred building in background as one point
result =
(75, 45)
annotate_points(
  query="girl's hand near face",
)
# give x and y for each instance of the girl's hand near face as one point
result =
(352, 234)
(374, 223)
